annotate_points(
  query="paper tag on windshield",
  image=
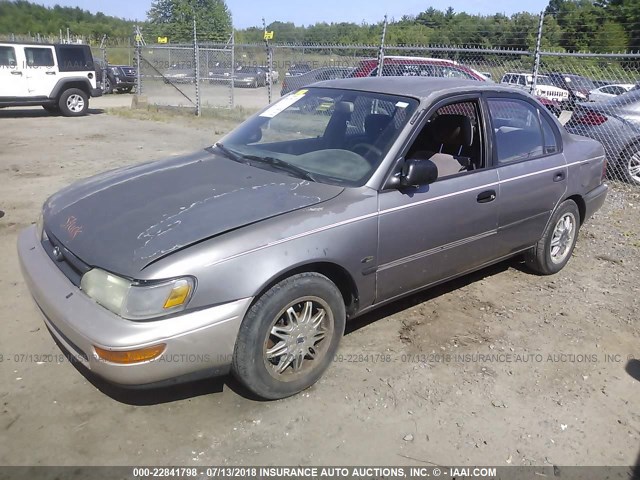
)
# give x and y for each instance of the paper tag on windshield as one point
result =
(402, 104)
(283, 104)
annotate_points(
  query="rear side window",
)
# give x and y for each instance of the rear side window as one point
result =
(7, 57)
(74, 58)
(517, 130)
(38, 57)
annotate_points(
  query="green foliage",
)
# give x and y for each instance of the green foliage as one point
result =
(174, 19)
(21, 17)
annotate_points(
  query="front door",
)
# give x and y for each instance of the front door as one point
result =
(444, 229)
(12, 78)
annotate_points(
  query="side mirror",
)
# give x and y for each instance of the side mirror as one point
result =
(416, 173)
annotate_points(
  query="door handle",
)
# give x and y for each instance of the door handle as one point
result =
(486, 197)
(50, 73)
(16, 73)
(559, 176)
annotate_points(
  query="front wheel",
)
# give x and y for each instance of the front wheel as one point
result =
(554, 249)
(289, 336)
(74, 103)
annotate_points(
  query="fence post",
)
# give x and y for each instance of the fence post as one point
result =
(196, 59)
(536, 61)
(232, 100)
(138, 61)
(381, 49)
(269, 60)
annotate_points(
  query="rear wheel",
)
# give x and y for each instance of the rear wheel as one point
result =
(74, 103)
(554, 249)
(289, 336)
(630, 165)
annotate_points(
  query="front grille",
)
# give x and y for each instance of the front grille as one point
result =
(72, 267)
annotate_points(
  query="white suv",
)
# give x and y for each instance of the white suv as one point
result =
(60, 78)
(552, 97)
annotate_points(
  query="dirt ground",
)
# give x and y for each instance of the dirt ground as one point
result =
(498, 368)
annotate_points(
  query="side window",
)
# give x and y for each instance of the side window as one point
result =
(451, 138)
(73, 58)
(38, 57)
(517, 130)
(7, 57)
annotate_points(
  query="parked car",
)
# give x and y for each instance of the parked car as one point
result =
(316, 75)
(179, 74)
(254, 252)
(220, 74)
(60, 78)
(119, 78)
(552, 97)
(400, 66)
(246, 76)
(607, 92)
(297, 69)
(577, 86)
(615, 123)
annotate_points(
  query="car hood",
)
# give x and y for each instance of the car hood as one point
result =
(125, 219)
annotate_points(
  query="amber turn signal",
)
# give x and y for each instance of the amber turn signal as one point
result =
(126, 357)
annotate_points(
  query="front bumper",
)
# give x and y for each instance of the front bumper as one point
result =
(196, 341)
(594, 200)
(96, 92)
(124, 82)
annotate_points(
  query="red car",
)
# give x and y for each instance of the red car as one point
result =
(397, 66)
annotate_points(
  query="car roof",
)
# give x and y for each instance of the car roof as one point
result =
(418, 87)
(42, 44)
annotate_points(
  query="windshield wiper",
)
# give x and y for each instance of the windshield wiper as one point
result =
(237, 157)
(281, 164)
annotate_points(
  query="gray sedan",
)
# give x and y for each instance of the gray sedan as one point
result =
(616, 124)
(251, 255)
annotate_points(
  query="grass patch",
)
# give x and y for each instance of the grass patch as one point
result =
(226, 117)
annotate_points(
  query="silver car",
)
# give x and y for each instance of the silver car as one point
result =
(250, 256)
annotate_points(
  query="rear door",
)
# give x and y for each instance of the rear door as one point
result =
(531, 168)
(12, 79)
(41, 70)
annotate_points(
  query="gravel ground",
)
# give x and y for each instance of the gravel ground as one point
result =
(497, 368)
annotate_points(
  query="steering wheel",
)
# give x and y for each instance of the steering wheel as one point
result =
(366, 147)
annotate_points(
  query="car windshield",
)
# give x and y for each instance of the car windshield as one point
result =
(542, 80)
(582, 82)
(326, 135)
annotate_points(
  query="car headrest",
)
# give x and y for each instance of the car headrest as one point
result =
(375, 123)
(452, 130)
(344, 107)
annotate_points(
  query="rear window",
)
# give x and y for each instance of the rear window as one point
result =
(74, 58)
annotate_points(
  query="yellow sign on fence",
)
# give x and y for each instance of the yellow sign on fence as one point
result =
(163, 40)
(268, 35)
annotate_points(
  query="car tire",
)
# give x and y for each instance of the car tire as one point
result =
(108, 88)
(628, 166)
(269, 358)
(74, 103)
(52, 109)
(554, 249)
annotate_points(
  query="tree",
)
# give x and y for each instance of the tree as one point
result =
(174, 19)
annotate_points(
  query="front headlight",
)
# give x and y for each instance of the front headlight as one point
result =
(137, 301)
